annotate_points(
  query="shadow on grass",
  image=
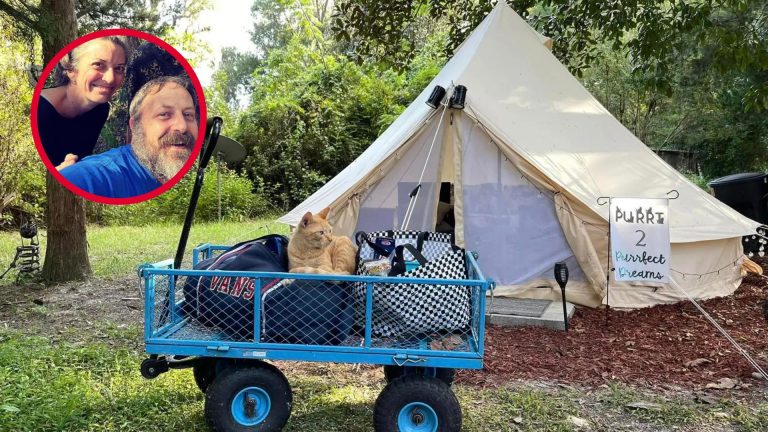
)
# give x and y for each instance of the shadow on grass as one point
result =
(339, 416)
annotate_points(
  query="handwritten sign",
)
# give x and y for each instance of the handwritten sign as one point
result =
(640, 246)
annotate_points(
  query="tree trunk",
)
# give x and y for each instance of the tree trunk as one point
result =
(66, 254)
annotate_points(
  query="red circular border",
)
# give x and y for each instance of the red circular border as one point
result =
(200, 101)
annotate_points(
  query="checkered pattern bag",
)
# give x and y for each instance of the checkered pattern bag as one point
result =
(409, 309)
(432, 245)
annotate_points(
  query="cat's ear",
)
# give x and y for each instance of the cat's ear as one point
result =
(324, 213)
(306, 219)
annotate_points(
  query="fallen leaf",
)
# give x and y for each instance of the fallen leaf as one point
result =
(697, 362)
(644, 405)
(724, 383)
(578, 422)
(707, 399)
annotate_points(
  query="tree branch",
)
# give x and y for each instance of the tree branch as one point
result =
(33, 23)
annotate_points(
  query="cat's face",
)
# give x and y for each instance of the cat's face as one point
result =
(316, 230)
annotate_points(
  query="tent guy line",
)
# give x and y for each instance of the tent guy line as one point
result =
(738, 347)
(412, 203)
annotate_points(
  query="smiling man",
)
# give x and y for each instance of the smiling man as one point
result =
(163, 123)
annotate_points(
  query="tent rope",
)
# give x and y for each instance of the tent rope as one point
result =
(738, 347)
(415, 193)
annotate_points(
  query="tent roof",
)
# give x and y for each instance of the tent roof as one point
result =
(529, 100)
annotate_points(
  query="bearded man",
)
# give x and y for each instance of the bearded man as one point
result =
(164, 126)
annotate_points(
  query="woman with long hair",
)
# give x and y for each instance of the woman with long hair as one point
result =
(72, 113)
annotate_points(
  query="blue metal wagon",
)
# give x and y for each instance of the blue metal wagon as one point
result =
(244, 392)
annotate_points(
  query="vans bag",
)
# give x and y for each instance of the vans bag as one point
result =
(227, 302)
(293, 311)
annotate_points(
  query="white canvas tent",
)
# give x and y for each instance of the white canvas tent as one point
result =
(528, 157)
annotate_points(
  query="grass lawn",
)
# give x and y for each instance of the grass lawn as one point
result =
(115, 251)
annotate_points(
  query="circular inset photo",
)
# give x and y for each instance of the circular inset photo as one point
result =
(118, 116)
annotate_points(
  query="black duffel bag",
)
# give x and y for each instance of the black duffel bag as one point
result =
(227, 303)
(293, 311)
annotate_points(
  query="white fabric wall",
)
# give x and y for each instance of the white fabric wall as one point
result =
(384, 205)
(508, 221)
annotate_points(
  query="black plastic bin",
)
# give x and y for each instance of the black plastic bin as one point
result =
(747, 193)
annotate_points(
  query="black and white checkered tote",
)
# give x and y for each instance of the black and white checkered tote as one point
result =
(432, 245)
(408, 309)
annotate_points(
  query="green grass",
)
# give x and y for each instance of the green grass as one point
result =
(95, 386)
(669, 412)
(116, 251)
(518, 409)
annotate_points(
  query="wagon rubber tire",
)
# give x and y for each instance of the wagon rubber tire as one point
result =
(445, 375)
(204, 372)
(262, 388)
(417, 403)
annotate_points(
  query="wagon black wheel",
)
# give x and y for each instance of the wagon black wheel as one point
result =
(445, 375)
(248, 399)
(204, 372)
(417, 404)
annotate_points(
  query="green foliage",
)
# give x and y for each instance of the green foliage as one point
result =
(697, 179)
(313, 113)
(88, 388)
(22, 179)
(718, 126)
(656, 32)
(238, 202)
(707, 111)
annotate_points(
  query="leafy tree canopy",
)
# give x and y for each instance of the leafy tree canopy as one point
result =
(733, 33)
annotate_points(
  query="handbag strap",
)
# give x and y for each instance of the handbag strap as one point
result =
(415, 252)
(362, 236)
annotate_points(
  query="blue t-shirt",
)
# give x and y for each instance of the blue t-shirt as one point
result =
(114, 174)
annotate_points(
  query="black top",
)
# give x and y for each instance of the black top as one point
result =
(61, 135)
(739, 178)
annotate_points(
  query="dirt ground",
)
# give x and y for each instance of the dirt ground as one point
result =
(667, 347)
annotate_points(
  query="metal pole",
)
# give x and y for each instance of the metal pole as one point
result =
(608, 268)
(565, 309)
(212, 132)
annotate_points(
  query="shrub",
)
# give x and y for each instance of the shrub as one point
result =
(238, 202)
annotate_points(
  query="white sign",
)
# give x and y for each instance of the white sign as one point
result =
(640, 246)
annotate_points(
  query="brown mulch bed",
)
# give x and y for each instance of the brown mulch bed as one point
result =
(649, 346)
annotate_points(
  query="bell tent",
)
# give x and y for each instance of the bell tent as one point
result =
(520, 169)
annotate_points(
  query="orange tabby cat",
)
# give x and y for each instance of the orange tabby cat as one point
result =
(313, 249)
